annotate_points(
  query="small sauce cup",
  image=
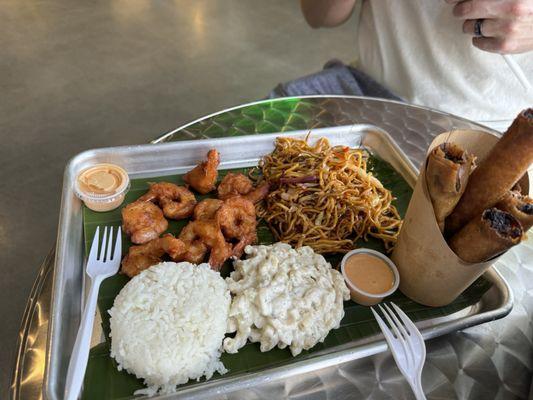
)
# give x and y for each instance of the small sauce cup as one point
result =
(358, 294)
(102, 187)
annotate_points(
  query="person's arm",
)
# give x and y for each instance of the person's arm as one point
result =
(507, 25)
(326, 13)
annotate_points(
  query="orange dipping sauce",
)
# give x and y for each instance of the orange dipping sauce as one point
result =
(102, 187)
(370, 274)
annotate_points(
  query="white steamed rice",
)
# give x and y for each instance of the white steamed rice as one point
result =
(168, 323)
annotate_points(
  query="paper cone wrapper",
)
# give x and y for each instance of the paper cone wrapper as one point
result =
(430, 272)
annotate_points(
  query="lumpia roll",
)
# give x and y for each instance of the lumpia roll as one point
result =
(517, 188)
(520, 207)
(487, 236)
(447, 172)
(505, 164)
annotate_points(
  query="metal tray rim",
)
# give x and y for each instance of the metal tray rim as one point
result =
(163, 137)
(139, 148)
(275, 373)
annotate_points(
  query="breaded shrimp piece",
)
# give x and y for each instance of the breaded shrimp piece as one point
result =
(177, 202)
(234, 185)
(237, 221)
(195, 252)
(240, 185)
(258, 194)
(143, 221)
(197, 235)
(207, 209)
(144, 256)
(203, 177)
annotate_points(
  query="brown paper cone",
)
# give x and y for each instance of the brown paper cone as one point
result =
(430, 272)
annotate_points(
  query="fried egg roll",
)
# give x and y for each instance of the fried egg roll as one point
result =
(447, 172)
(487, 236)
(503, 167)
(520, 207)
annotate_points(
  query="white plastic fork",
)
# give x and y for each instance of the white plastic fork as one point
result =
(100, 265)
(406, 344)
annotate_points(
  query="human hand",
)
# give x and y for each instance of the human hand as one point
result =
(506, 27)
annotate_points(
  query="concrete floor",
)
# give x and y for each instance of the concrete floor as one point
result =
(85, 74)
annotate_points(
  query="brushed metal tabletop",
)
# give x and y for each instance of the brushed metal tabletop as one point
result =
(493, 360)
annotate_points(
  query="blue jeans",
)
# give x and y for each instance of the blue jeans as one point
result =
(336, 78)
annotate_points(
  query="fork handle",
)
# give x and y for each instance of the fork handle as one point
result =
(417, 389)
(80, 351)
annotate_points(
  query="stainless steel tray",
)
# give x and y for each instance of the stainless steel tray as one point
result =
(243, 151)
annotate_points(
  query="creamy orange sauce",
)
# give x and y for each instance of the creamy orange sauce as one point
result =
(369, 273)
(102, 187)
(101, 179)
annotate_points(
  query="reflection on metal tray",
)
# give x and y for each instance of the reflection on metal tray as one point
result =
(178, 157)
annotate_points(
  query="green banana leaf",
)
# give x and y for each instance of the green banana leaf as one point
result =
(103, 380)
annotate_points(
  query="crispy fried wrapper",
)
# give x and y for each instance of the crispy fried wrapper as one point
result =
(506, 163)
(519, 206)
(483, 238)
(448, 169)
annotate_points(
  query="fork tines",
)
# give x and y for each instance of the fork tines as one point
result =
(397, 321)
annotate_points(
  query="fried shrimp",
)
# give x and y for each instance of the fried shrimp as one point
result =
(259, 193)
(236, 219)
(201, 236)
(207, 209)
(143, 221)
(202, 178)
(196, 252)
(144, 256)
(177, 202)
(234, 185)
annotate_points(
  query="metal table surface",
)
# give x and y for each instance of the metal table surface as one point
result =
(489, 361)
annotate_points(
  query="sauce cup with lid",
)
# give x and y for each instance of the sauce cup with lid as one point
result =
(370, 275)
(102, 187)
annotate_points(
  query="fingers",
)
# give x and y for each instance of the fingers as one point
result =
(502, 45)
(474, 9)
(500, 28)
(489, 27)
(469, 27)
(488, 44)
(507, 25)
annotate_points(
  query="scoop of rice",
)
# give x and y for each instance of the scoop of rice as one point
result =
(168, 323)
